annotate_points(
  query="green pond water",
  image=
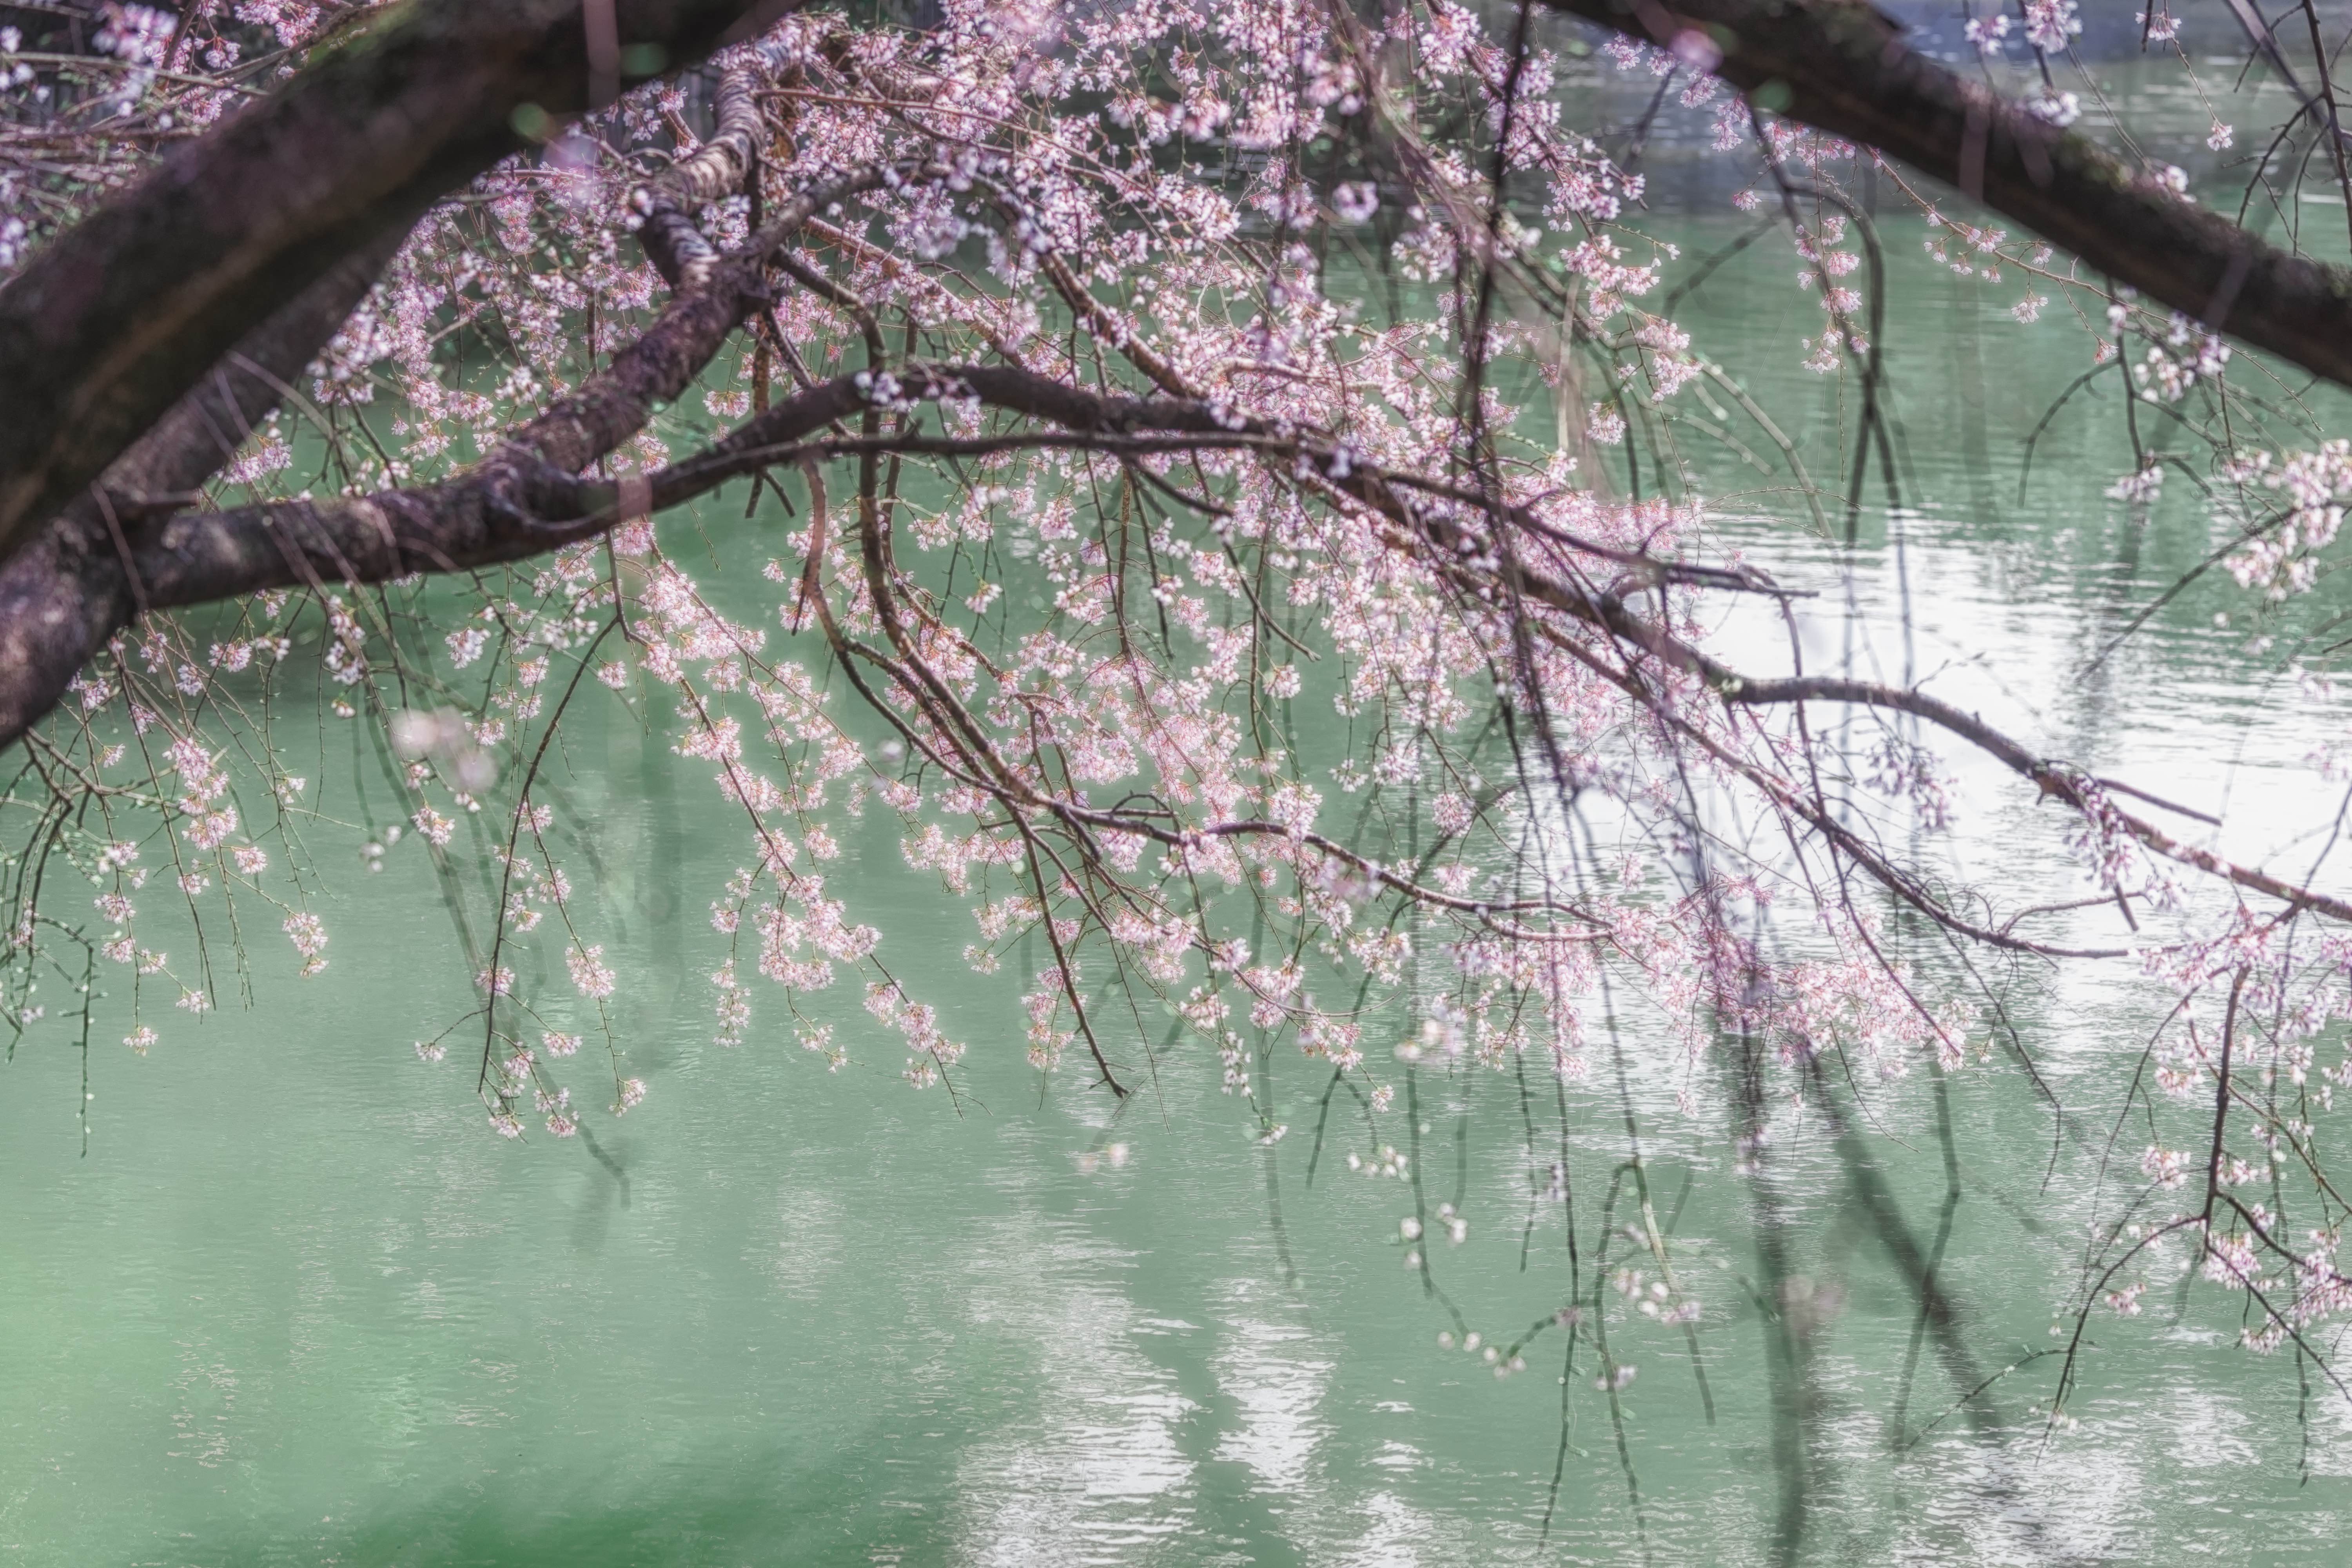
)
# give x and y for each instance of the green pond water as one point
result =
(283, 1299)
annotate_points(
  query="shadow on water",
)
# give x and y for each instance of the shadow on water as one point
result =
(710, 1515)
(775, 1507)
(594, 1218)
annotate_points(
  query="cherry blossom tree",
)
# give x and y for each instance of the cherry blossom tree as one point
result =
(356, 360)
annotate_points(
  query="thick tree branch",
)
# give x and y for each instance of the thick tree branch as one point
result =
(60, 604)
(665, 207)
(1841, 66)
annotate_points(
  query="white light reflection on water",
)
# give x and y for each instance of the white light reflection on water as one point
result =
(1096, 1470)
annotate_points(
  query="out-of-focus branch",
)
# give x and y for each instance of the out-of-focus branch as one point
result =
(111, 323)
(1842, 67)
(73, 586)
